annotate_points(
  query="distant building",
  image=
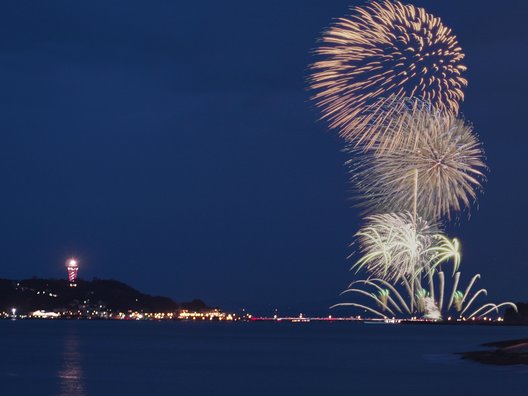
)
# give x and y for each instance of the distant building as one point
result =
(72, 268)
(214, 314)
(44, 315)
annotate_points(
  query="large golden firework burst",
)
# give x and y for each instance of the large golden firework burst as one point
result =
(385, 50)
(433, 164)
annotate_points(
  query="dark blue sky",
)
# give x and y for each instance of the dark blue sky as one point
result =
(171, 145)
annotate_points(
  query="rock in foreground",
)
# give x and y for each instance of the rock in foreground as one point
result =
(505, 353)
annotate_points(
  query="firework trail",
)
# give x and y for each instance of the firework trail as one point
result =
(429, 303)
(384, 51)
(431, 163)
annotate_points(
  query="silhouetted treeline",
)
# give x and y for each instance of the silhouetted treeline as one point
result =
(56, 294)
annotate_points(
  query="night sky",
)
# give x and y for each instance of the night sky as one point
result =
(171, 145)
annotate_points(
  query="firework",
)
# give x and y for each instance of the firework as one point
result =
(431, 163)
(423, 302)
(390, 79)
(444, 250)
(398, 245)
(384, 51)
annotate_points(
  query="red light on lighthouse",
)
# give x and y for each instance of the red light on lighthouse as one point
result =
(73, 268)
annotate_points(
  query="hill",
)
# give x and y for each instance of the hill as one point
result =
(102, 295)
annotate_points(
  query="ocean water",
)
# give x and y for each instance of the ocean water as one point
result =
(186, 358)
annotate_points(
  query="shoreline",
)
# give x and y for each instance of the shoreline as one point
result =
(504, 353)
(292, 320)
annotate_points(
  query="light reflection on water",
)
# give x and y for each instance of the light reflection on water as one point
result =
(70, 375)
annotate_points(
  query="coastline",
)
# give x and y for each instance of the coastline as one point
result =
(504, 353)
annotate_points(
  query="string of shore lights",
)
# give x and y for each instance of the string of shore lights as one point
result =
(389, 79)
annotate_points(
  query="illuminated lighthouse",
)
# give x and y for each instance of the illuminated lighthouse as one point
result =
(73, 268)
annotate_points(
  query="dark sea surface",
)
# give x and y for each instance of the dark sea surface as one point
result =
(186, 358)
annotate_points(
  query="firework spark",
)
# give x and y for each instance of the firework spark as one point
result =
(431, 162)
(397, 245)
(385, 50)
